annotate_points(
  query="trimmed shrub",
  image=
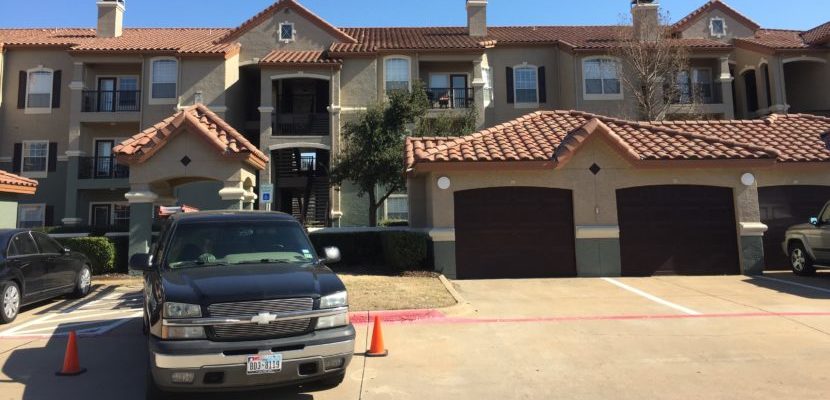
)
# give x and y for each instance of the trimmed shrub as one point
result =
(393, 223)
(99, 250)
(405, 250)
(71, 229)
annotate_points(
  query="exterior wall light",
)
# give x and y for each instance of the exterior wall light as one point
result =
(748, 179)
(444, 183)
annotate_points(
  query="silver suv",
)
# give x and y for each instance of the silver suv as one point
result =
(808, 245)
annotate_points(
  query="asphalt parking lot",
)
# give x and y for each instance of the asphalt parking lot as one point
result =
(624, 338)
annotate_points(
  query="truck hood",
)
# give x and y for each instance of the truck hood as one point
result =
(801, 227)
(228, 284)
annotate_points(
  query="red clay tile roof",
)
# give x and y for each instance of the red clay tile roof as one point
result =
(305, 58)
(199, 120)
(279, 6)
(774, 39)
(182, 41)
(11, 183)
(554, 135)
(712, 5)
(818, 35)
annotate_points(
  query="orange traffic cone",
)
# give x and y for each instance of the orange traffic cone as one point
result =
(377, 349)
(71, 365)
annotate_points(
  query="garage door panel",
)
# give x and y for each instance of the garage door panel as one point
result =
(785, 206)
(514, 232)
(686, 230)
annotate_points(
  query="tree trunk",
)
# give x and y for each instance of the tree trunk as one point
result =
(373, 209)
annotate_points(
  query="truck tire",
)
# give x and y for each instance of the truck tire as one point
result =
(800, 261)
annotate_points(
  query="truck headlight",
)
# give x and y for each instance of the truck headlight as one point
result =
(333, 321)
(182, 310)
(183, 332)
(339, 299)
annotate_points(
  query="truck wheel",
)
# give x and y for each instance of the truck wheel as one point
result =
(800, 261)
(9, 302)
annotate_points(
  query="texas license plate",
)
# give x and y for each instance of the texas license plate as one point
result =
(264, 364)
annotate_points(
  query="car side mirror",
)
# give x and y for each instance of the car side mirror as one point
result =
(332, 255)
(141, 262)
(814, 221)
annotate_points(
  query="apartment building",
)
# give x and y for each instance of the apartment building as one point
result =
(275, 92)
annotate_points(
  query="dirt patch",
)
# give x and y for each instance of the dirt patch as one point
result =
(374, 293)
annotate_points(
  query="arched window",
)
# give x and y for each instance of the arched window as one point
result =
(601, 81)
(526, 84)
(164, 77)
(397, 73)
(39, 90)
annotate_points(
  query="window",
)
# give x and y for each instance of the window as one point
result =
(487, 76)
(35, 158)
(717, 27)
(695, 86)
(397, 74)
(46, 244)
(397, 207)
(31, 215)
(601, 77)
(22, 245)
(165, 73)
(121, 214)
(39, 90)
(105, 215)
(287, 32)
(308, 161)
(526, 80)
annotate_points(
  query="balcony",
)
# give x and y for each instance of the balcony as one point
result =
(101, 168)
(306, 124)
(100, 101)
(451, 98)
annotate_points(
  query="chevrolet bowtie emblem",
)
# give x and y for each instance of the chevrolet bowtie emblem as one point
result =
(264, 318)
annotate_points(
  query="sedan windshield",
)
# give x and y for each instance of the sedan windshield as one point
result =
(237, 243)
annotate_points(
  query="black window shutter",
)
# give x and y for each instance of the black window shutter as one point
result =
(56, 89)
(510, 93)
(17, 158)
(49, 217)
(543, 87)
(21, 90)
(53, 156)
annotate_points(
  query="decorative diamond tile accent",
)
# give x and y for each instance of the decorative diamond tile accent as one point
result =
(595, 169)
(185, 161)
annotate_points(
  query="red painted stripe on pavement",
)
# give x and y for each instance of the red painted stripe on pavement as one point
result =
(363, 317)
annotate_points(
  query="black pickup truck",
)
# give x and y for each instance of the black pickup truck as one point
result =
(238, 300)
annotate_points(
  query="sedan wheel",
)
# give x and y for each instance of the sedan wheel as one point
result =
(9, 302)
(84, 282)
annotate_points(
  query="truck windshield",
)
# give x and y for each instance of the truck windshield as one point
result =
(236, 243)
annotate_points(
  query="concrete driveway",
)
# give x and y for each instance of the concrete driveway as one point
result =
(622, 338)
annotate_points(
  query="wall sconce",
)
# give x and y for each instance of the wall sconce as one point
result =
(748, 179)
(444, 183)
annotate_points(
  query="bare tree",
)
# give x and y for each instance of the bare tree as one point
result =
(654, 69)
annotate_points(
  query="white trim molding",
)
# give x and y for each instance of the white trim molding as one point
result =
(232, 193)
(399, 57)
(597, 231)
(441, 234)
(141, 196)
(293, 145)
(753, 229)
(300, 74)
(265, 110)
(804, 58)
(712, 27)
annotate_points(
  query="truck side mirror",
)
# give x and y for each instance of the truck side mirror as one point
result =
(142, 262)
(332, 255)
(814, 221)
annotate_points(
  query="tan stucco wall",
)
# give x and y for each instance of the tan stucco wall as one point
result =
(2, 65)
(700, 28)
(358, 82)
(18, 126)
(502, 58)
(206, 75)
(263, 38)
(625, 108)
(595, 196)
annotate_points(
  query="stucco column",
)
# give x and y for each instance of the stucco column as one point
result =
(141, 201)
(335, 112)
(751, 230)
(73, 152)
(725, 81)
(233, 195)
(478, 90)
(266, 115)
(778, 85)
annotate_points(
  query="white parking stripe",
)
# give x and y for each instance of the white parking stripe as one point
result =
(816, 288)
(651, 297)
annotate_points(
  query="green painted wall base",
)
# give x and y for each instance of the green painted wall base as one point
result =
(141, 227)
(752, 255)
(444, 258)
(598, 257)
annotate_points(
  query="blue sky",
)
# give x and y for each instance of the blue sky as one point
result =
(796, 14)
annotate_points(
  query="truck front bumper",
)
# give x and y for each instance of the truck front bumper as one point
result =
(222, 365)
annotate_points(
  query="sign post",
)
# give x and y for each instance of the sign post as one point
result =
(266, 195)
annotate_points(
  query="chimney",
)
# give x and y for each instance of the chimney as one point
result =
(646, 17)
(477, 17)
(110, 18)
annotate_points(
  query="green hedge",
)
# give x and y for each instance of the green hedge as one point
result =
(381, 251)
(99, 250)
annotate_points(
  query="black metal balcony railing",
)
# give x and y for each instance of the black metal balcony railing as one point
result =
(111, 101)
(451, 98)
(101, 168)
(306, 124)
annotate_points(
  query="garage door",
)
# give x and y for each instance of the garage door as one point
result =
(785, 206)
(514, 232)
(685, 230)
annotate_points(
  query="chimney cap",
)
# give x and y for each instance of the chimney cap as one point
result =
(639, 2)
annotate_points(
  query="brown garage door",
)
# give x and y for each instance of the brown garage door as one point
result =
(514, 232)
(783, 207)
(686, 230)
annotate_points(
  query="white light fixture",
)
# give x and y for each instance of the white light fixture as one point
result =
(444, 183)
(748, 179)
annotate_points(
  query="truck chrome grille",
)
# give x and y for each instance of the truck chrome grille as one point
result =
(252, 331)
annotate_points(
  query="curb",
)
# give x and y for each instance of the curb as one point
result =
(364, 317)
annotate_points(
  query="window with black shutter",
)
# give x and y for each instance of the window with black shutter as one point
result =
(511, 95)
